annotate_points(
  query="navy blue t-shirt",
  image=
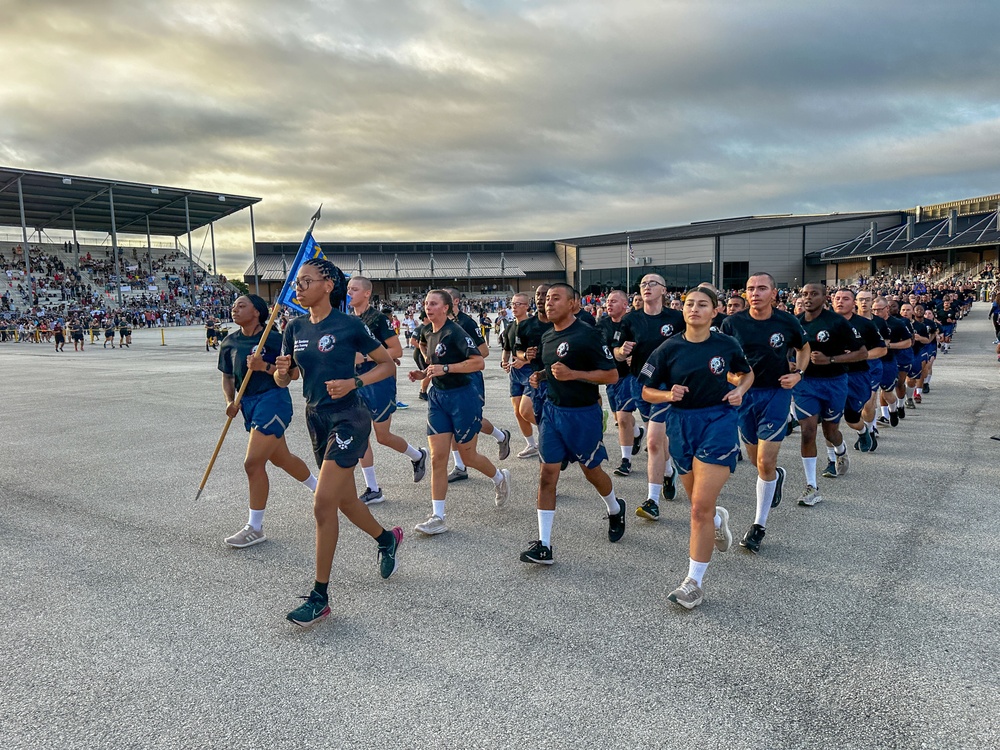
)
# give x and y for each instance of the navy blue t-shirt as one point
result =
(829, 334)
(767, 344)
(527, 334)
(612, 333)
(648, 332)
(380, 328)
(325, 351)
(580, 347)
(448, 346)
(233, 353)
(701, 366)
(870, 337)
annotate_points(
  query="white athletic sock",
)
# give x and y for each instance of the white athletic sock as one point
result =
(841, 449)
(910, 390)
(256, 519)
(412, 453)
(627, 452)
(545, 526)
(612, 502)
(498, 435)
(458, 460)
(831, 453)
(532, 443)
(928, 379)
(870, 426)
(696, 570)
(809, 466)
(498, 478)
(900, 404)
(310, 483)
(668, 467)
(635, 430)
(885, 411)
(370, 480)
(654, 492)
(438, 506)
(892, 407)
(863, 430)
(918, 390)
(765, 494)
(717, 520)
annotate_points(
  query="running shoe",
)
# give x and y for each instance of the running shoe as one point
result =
(504, 445)
(372, 497)
(433, 525)
(927, 387)
(752, 539)
(843, 464)
(910, 403)
(503, 489)
(874, 442)
(863, 444)
(810, 496)
(723, 536)
(457, 475)
(314, 609)
(401, 406)
(420, 466)
(917, 398)
(616, 522)
(649, 510)
(537, 553)
(883, 420)
(624, 468)
(529, 451)
(901, 412)
(830, 472)
(670, 485)
(248, 536)
(689, 594)
(893, 419)
(388, 557)
(637, 441)
(423, 396)
(779, 482)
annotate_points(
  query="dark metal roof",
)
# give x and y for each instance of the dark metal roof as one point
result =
(390, 248)
(51, 200)
(718, 227)
(972, 230)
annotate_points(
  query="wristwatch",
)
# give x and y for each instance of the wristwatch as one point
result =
(358, 382)
(833, 360)
(445, 369)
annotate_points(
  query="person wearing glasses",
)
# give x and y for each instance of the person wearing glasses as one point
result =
(518, 372)
(621, 396)
(322, 347)
(642, 332)
(703, 375)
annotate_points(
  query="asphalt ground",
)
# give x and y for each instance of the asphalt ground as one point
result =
(868, 621)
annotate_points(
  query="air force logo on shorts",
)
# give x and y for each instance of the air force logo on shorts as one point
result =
(667, 330)
(326, 343)
(822, 336)
(563, 349)
(717, 365)
(776, 340)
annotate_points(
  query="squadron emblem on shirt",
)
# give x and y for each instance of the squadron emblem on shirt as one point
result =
(440, 349)
(327, 342)
(563, 349)
(667, 330)
(717, 365)
(776, 340)
(822, 336)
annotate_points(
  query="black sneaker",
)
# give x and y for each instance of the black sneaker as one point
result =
(616, 523)
(882, 420)
(830, 472)
(388, 557)
(637, 441)
(457, 475)
(537, 553)
(420, 466)
(314, 609)
(624, 468)
(372, 497)
(752, 539)
(778, 484)
(670, 485)
(893, 418)
(874, 442)
(649, 510)
(901, 412)
(927, 387)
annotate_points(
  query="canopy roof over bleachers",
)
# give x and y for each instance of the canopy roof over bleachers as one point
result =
(65, 202)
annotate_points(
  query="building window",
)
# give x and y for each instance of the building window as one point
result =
(734, 275)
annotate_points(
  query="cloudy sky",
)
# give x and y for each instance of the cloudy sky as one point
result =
(485, 119)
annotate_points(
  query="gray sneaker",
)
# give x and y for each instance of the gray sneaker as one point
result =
(723, 536)
(843, 464)
(503, 489)
(689, 594)
(810, 496)
(504, 445)
(248, 536)
(457, 475)
(420, 466)
(909, 403)
(433, 525)
(372, 497)
(529, 451)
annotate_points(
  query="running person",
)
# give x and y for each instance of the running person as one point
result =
(455, 410)
(899, 338)
(380, 397)
(575, 361)
(518, 373)
(210, 332)
(109, 333)
(690, 373)
(921, 339)
(642, 332)
(527, 337)
(60, 337)
(621, 395)
(123, 332)
(859, 383)
(822, 392)
(769, 338)
(267, 410)
(322, 347)
(76, 332)
(864, 301)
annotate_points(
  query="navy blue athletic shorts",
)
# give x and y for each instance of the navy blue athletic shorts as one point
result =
(620, 395)
(269, 412)
(649, 412)
(455, 411)
(824, 397)
(477, 382)
(573, 434)
(859, 390)
(519, 380)
(889, 375)
(764, 414)
(907, 363)
(709, 434)
(538, 398)
(380, 398)
(340, 434)
(875, 373)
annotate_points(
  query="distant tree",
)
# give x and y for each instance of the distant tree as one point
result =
(241, 285)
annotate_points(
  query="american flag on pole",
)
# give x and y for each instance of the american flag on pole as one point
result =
(631, 250)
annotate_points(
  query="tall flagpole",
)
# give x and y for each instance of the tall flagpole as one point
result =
(254, 357)
(628, 267)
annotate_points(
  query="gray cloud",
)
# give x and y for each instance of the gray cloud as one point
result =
(440, 119)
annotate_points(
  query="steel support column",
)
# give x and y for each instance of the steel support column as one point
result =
(25, 247)
(253, 243)
(114, 243)
(187, 219)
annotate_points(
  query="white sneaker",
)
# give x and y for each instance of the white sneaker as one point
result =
(529, 451)
(810, 497)
(843, 464)
(503, 489)
(689, 594)
(723, 536)
(248, 536)
(433, 525)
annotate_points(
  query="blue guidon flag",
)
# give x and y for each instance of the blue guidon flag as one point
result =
(307, 251)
